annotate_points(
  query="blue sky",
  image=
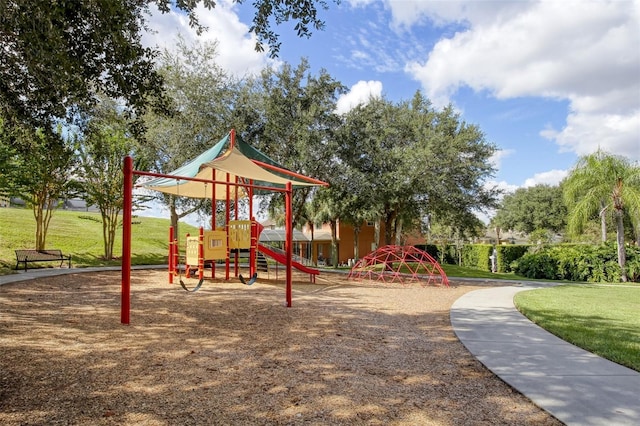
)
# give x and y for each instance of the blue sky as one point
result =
(547, 81)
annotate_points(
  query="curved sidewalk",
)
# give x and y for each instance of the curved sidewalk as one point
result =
(52, 272)
(575, 386)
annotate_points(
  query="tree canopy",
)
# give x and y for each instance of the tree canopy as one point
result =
(534, 208)
(56, 56)
(101, 146)
(413, 162)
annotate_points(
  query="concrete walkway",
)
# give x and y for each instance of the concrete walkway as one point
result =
(52, 272)
(575, 386)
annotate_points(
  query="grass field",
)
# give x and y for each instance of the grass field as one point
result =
(602, 319)
(80, 235)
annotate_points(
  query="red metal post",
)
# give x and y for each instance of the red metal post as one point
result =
(254, 246)
(125, 304)
(171, 249)
(288, 245)
(201, 254)
(227, 218)
(214, 206)
(253, 267)
(176, 255)
(187, 267)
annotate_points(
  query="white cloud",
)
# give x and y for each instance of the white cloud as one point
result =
(585, 52)
(496, 159)
(360, 93)
(407, 13)
(502, 185)
(552, 177)
(236, 48)
(587, 132)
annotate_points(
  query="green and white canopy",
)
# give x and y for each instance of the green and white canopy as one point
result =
(230, 160)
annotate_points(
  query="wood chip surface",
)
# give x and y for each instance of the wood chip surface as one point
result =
(345, 353)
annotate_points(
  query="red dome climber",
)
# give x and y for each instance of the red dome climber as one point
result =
(402, 264)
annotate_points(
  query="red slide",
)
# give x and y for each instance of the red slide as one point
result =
(281, 258)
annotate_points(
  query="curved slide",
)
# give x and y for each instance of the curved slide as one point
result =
(281, 258)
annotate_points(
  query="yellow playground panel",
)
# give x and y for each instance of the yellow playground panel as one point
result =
(215, 245)
(193, 244)
(239, 234)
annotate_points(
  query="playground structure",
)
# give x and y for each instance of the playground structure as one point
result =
(227, 171)
(214, 246)
(402, 264)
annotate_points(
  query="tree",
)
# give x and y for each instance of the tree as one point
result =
(297, 121)
(305, 13)
(56, 56)
(104, 143)
(415, 162)
(534, 208)
(204, 97)
(327, 210)
(37, 168)
(603, 178)
(373, 148)
(454, 158)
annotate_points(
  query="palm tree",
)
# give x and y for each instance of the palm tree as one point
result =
(601, 182)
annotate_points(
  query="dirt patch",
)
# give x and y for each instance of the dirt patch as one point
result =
(344, 353)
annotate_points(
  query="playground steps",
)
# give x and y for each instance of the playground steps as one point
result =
(261, 263)
(243, 257)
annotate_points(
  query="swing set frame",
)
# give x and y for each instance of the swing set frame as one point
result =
(130, 172)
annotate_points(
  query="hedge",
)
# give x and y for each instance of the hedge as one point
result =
(575, 262)
(476, 256)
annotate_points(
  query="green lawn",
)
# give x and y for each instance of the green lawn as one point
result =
(80, 235)
(462, 272)
(602, 319)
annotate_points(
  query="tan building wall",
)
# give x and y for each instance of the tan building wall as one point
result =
(345, 235)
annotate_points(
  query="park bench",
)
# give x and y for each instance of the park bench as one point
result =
(28, 256)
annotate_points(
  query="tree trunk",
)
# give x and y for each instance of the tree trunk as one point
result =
(376, 235)
(334, 243)
(105, 234)
(109, 227)
(42, 212)
(37, 214)
(174, 216)
(356, 243)
(622, 253)
(603, 222)
(388, 227)
(398, 231)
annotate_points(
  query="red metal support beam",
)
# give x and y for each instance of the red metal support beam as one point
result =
(127, 207)
(288, 245)
(171, 249)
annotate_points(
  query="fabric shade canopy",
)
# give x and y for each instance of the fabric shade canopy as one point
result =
(231, 161)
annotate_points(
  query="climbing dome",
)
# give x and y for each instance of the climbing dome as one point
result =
(401, 264)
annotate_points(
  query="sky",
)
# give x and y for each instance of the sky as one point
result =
(546, 81)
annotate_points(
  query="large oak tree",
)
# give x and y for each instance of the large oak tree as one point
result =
(56, 55)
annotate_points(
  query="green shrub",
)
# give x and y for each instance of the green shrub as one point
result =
(477, 256)
(537, 265)
(578, 262)
(507, 254)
